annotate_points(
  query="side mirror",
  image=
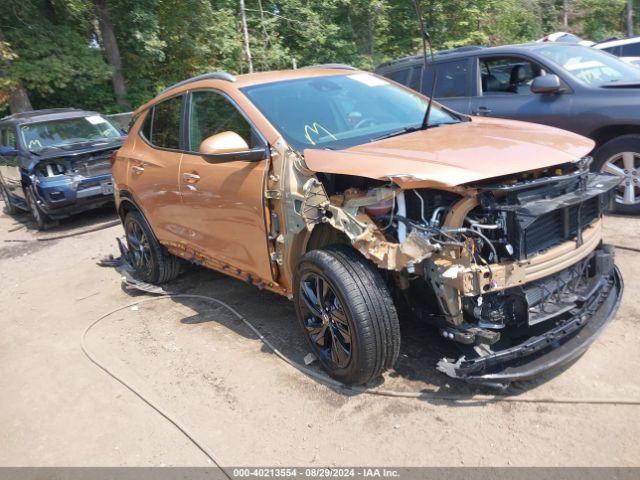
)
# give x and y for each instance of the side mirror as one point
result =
(8, 152)
(546, 84)
(229, 146)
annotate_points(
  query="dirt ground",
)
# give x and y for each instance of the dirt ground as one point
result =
(245, 404)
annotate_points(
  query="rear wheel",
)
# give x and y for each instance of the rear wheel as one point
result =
(621, 157)
(9, 207)
(39, 217)
(346, 314)
(150, 260)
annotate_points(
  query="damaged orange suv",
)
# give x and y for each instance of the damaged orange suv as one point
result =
(328, 186)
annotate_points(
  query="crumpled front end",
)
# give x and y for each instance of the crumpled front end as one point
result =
(70, 184)
(541, 326)
(512, 271)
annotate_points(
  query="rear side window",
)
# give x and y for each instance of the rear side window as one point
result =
(631, 50)
(11, 139)
(400, 76)
(162, 125)
(213, 113)
(613, 51)
(146, 126)
(453, 79)
(414, 80)
(8, 138)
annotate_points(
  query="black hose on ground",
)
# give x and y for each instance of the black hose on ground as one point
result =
(430, 395)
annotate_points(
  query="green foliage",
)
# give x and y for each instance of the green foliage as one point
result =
(53, 47)
(602, 18)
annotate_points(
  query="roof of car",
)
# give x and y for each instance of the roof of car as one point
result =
(257, 78)
(283, 75)
(462, 52)
(617, 42)
(35, 116)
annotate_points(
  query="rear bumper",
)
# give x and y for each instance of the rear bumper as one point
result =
(552, 349)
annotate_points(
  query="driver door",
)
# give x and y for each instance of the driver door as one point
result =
(505, 91)
(223, 201)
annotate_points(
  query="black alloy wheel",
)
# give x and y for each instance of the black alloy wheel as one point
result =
(139, 248)
(326, 321)
(347, 315)
(150, 260)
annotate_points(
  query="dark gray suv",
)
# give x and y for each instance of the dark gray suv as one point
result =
(568, 86)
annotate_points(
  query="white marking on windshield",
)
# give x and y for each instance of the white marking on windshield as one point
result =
(316, 128)
(95, 119)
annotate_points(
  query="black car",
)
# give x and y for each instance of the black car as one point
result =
(56, 163)
(572, 87)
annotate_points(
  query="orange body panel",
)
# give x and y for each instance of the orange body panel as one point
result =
(151, 176)
(222, 213)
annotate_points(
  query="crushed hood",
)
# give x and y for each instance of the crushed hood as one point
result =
(453, 155)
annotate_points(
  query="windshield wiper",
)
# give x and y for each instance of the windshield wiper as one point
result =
(403, 131)
(397, 133)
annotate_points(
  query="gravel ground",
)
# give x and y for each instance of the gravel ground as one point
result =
(245, 404)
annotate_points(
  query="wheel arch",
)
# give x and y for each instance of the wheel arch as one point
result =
(322, 235)
(128, 204)
(605, 134)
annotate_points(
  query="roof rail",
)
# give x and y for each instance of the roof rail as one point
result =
(330, 66)
(411, 58)
(227, 77)
(399, 60)
(467, 48)
(610, 39)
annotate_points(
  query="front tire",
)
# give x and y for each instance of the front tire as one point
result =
(346, 314)
(39, 217)
(9, 207)
(621, 157)
(151, 262)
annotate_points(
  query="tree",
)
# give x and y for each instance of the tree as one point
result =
(112, 52)
(15, 94)
(630, 18)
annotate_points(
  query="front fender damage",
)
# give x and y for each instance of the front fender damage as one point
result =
(342, 214)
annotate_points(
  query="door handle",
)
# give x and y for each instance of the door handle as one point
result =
(482, 111)
(191, 177)
(137, 169)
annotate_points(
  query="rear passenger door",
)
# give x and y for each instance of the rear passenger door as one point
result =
(504, 90)
(154, 165)
(453, 83)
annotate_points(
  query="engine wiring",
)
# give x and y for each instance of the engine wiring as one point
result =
(433, 233)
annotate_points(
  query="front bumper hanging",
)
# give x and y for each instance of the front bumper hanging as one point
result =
(557, 346)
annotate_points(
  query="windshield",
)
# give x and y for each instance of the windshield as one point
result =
(591, 66)
(61, 133)
(338, 112)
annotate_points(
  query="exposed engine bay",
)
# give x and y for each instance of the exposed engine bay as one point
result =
(506, 269)
(85, 166)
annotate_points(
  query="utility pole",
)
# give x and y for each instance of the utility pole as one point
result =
(630, 18)
(245, 32)
(565, 22)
